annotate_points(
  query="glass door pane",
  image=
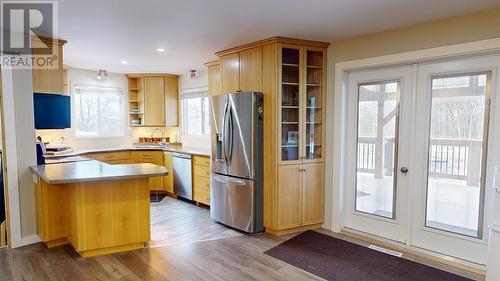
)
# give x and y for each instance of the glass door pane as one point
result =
(455, 161)
(314, 122)
(290, 104)
(377, 148)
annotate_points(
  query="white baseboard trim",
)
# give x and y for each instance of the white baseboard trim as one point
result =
(32, 239)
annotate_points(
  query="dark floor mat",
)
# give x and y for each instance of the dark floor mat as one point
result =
(338, 260)
(156, 197)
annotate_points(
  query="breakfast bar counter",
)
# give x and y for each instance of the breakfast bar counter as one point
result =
(96, 207)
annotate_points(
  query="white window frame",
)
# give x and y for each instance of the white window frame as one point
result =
(188, 94)
(104, 90)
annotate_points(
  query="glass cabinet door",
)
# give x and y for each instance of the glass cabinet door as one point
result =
(314, 104)
(290, 104)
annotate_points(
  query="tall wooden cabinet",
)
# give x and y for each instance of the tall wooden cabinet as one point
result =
(291, 73)
(153, 100)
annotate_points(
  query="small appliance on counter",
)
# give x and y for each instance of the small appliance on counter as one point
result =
(40, 152)
(236, 194)
(45, 149)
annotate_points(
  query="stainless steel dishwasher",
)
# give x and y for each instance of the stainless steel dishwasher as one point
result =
(183, 184)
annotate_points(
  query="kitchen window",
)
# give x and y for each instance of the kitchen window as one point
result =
(98, 111)
(195, 113)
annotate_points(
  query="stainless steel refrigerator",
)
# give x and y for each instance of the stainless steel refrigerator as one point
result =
(236, 194)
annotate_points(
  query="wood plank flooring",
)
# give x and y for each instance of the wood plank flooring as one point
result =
(175, 221)
(186, 245)
(231, 258)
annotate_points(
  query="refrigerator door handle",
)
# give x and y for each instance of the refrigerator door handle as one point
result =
(227, 180)
(224, 132)
(231, 134)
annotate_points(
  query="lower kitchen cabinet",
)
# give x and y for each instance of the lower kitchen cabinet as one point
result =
(152, 157)
(201, 179)
(300, 196)
(289, 193)
(118, 157)
(312, 193)
(168, 180)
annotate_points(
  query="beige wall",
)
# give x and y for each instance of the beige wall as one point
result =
(460, 29)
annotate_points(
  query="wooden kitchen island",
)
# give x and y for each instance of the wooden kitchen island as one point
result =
(96, 207)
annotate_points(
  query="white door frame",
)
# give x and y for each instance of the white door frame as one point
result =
(395, 229)
(336, 142)
(14, 211)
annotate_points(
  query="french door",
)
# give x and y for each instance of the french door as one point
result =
(452, 206)
(420, 155)
(379, 104)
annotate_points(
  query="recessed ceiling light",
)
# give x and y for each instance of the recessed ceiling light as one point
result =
(124, 62)
(160, 50)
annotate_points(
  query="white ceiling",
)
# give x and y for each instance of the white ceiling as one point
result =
(101, 33)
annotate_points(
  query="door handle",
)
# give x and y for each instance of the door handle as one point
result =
(404, 170)
(226, 180)
(497, 190)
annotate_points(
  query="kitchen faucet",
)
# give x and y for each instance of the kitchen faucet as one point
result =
(161, 143)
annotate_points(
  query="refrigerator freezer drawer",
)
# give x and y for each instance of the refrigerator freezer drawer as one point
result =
(233, 203)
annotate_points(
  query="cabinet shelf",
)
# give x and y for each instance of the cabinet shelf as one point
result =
(290, 83)
(290, 145)
(290, 123)
(313, 107)
(313, 85)
(314, 66)
(290, 65)
(136, 113)
(134, 101)
(290, 106)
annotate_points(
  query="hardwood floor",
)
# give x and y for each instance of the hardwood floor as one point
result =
(174, 221)
(186, 245)
(232, 258)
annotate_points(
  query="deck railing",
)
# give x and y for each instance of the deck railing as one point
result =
(448, 158)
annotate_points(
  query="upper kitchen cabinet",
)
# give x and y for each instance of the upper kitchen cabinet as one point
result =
(153, 100)
(49, 80)
(251, 70)
(214, 78)
(230, 73)
(171, 101)
(241, 71)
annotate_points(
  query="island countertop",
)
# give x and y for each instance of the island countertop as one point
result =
(93, 170)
